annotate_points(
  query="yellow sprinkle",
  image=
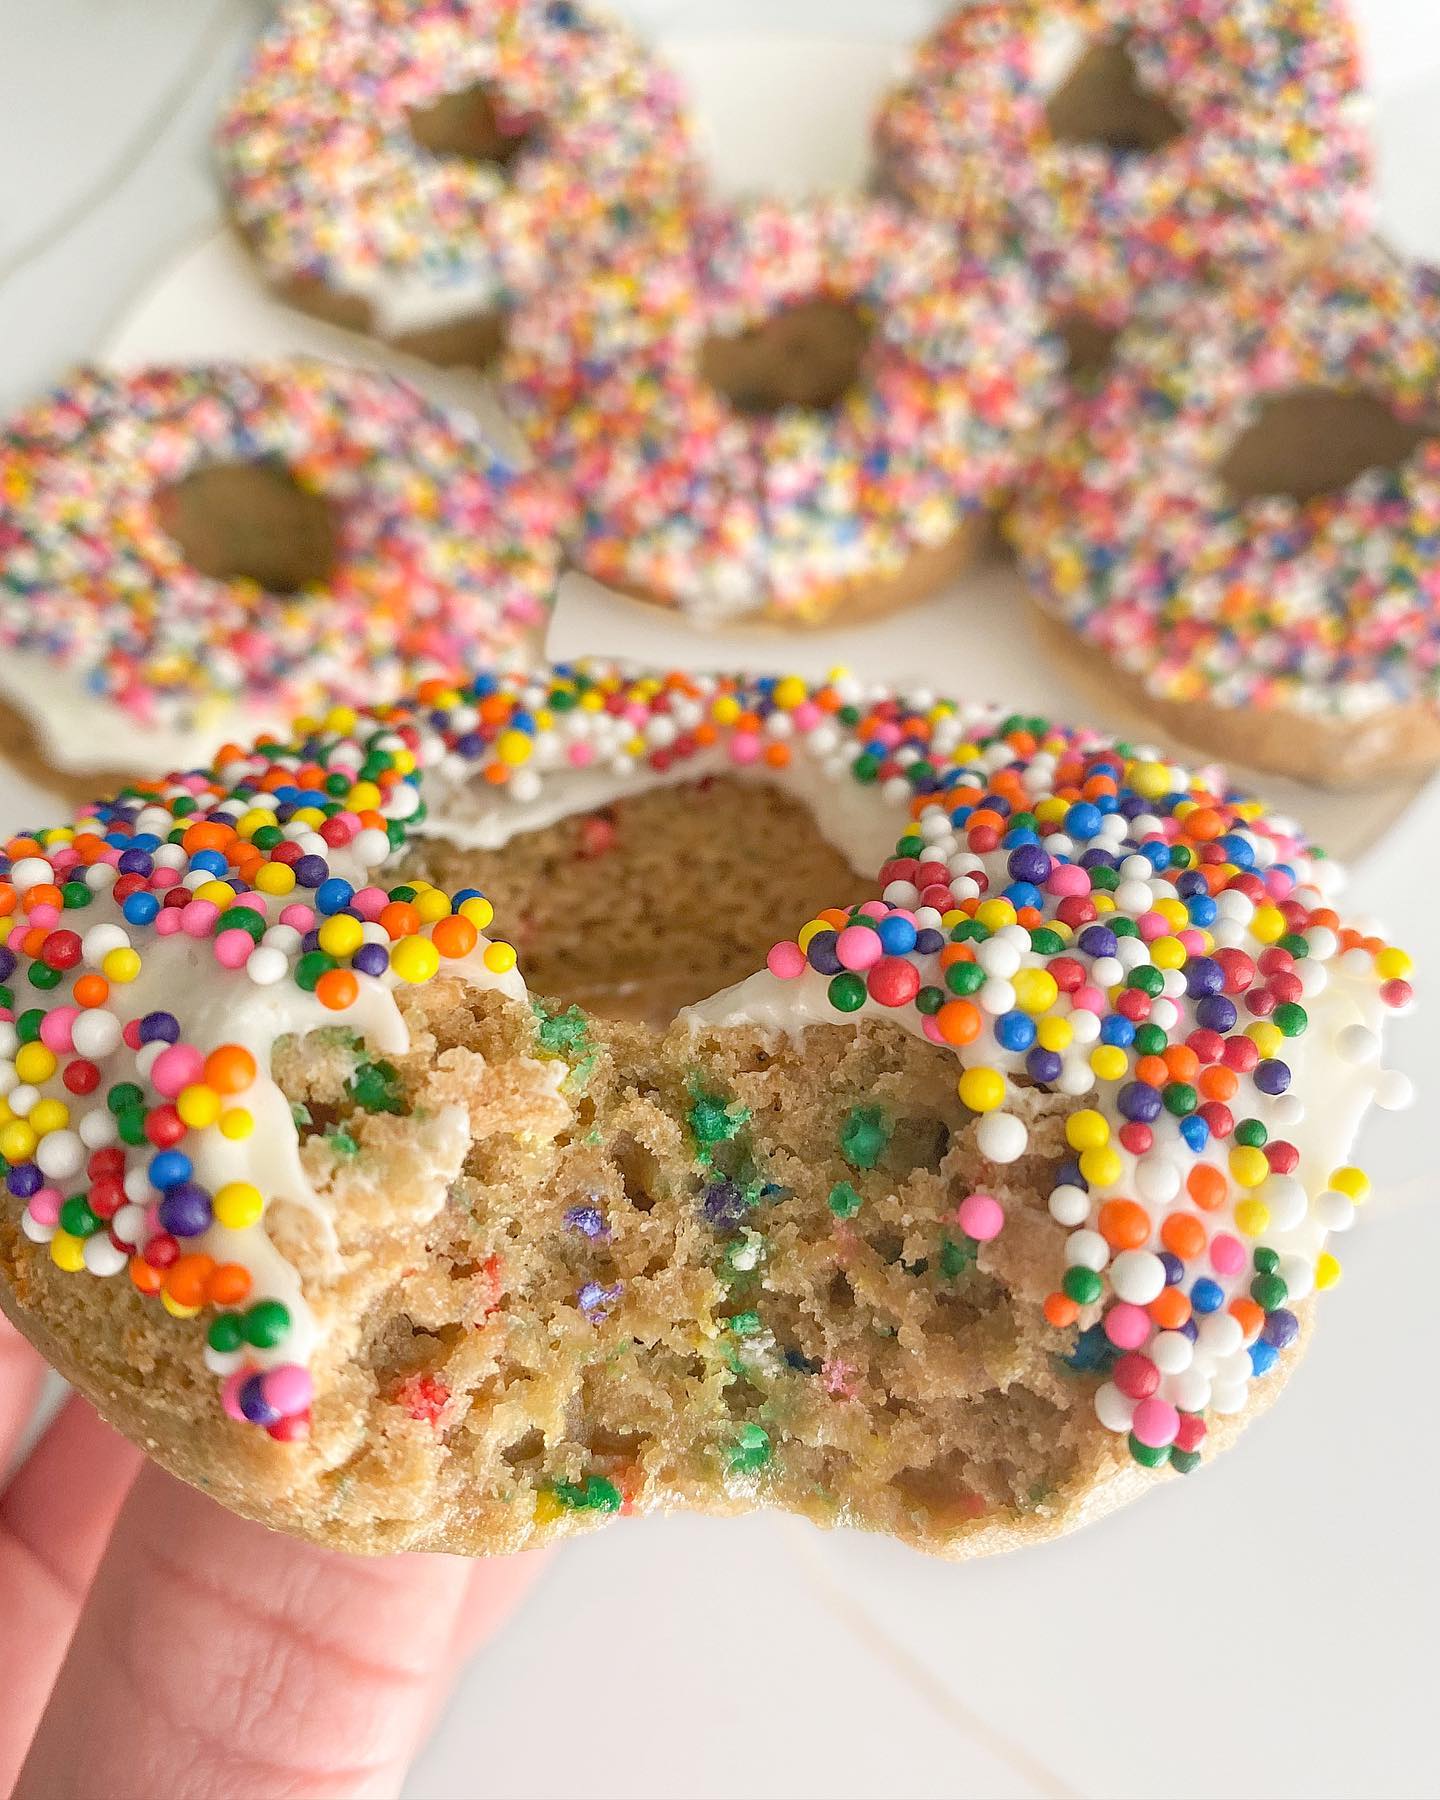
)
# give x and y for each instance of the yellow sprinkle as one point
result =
(789, 693)
(982, 1089)
(478, 911)
(432, 905)
(34, 1063)
(1268, 924)
(1393, 965)
(1087, 1130)
(239, 1205)
(121, 965)
(1054, 1034)
(414, 959)
(995, 914)
(174, 1308)
(1168, 953)
(499, 958)
(1109, 1062)
(1327, 1270)
(1252, 1217)
(198, 1106)
(17, 1141)
(47, 1116)
(1267, 1038)
(237, 1123)
(67, 1252)
(547, 1508)
(363, 797)
(1152, 779)
(275, 878)
(1248, 1165)
(341, 935)
(1352, 1182)
(1101, 1167)
(1035, 990)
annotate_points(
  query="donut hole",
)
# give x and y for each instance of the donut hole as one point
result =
(1089, 345)
(252, 522)
(1102, 103)
(471, 125)
(808, 354)
(1313, 441)
(656, 902)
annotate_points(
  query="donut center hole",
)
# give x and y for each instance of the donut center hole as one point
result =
(473, 125)
(1315, 441)
(252, 522)
(658, 901)
(1101, 102)
(808, 354)
(1089, 345)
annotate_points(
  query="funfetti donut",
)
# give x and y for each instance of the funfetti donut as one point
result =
(1240, 529)
(801, 412)
(1120, 142)
(996, 1186)
(409, 168)
(189, 555)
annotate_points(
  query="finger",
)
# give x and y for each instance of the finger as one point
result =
(267, 1664)
(21, 1374)
(62, 1502)
(494, 1589)
(55, 1516)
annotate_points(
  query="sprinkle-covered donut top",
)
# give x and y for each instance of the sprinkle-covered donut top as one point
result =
(1249, 122)
(328, 181)
(1058, 913)
(1129, 530)
(443, 554)
(686, 498)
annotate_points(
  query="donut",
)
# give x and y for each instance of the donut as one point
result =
(409, 168)
(982, 1201)
(191, 554)
(1240, 528)
(795, 411)
(1119, 143)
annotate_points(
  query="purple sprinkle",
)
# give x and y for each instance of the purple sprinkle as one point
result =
(595, 1300)
(724, 1205)
(589, 1221)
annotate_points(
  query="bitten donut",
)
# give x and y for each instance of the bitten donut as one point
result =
(1007, 1180)
(191, 554)
(409, 168)
(1120, 142)
(802, 413)
(1242, 526)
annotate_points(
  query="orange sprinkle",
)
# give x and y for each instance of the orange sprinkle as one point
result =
(1184, 1235)
(230, 1069)
(1061, 1310)
(1124, 1224)
(1206, 1186)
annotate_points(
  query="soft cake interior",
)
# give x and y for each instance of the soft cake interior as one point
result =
(712, 1267)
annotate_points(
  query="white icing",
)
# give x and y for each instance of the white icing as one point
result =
(52, 697)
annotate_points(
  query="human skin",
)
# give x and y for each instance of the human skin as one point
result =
(151, 1642)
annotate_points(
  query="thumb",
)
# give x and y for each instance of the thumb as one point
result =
(215, 1659)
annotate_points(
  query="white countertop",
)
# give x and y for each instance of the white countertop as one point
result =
(1295, 1585)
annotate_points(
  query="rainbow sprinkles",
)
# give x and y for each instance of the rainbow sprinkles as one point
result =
(1057, 912)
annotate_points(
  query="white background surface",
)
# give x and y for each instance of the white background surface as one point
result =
(1265, 1628)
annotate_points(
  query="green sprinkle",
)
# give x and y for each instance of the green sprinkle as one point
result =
(863, 1137)
(844, 1201)
(594, 1494)
(956, 1258)
(225, 1334)
(1149, 1456)
(376, 1087)
(341, 1142)
(745, 1324)
(300, 1115)
(751, 1450)
(712, 1121)
(847, 992)
(1082, 1285)
(265, 1323)
(562, 1032)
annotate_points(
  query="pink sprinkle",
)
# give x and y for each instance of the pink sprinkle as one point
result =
(981, 1217)
(1066, 879)
(931, 1029)
(1152, 925)
(197, 917)
(744, 747)
(55, 1028)
(176, 1067)
(299, 915)
(1126, 1325)
(581, 755)
(786, 961)
(45, 1206)
(807, 716)
(1088, 999)
(370, 902)
(858, 947)
(1227, 1254)
(44, 916)
(1156, 1423)
(838, 1379)
(874, 909)
(288, 1389)
(230, 1392)
(167, 923)
(1192, 941)
(232, 949)
(165, 879)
